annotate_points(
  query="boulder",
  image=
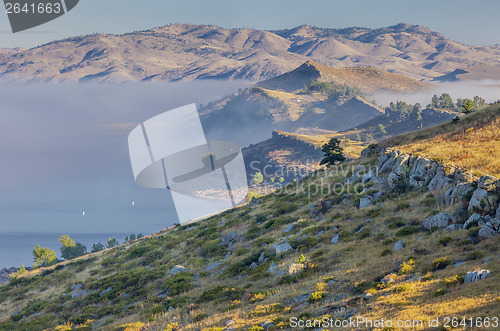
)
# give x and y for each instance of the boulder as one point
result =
(392, 178)
(439, 181)
(335, 239)
(106, 291)
(440, 220)
(290, 227)
(177, 269)
(78, 294)
(262, 258)
(377, 195)
(253, 266)
(480, 202)
(229, 240)
(365, 202)
(272, 268)
(389, 163)
(368, 176)
(77, 287)
(487, 232)
(401, 164)
(497, 215)
(474, 219)
(351, 180)
(282, 248)
(398, 246)
(456, 193)
(476, 275)
(453, 227)
(213, 266)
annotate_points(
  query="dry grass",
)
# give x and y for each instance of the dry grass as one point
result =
(472, 143)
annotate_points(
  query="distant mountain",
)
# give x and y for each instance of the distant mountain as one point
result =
(335, 101)
(185, 52)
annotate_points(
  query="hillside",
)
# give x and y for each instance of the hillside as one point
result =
(389, 235)
(186, 52)
(471, 143)
(291, 156)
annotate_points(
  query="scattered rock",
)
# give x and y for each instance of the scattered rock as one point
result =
(497, 215)
(213, 266)
(229, 240)
(367, 295)
(476, 275)
(488, 183)
(440, 220)
(392, 178)
(78, 294)
(290, 227)
(414, 278)
(177, 269)
(487, 232)
(335, 239)
(302, 297)
(458, 263)
(272, 268)
(229, 323)
(262, 258)
(488, 259)
(456, 193)
(77, 287)
(388, 279)
(398, 246)
(17, 312)
(106, 291)
(253, 266)
(368, 176)
(282, 248)
(267, 325)
(365, 202)
(453, 227)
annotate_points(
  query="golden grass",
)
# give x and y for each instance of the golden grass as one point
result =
(472, 143)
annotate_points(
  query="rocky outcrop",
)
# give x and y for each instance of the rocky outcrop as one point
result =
(282, 248)
(476, 275)
(441, 220)
(480, 193)
(178, 269)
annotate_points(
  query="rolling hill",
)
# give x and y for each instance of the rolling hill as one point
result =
(186, 52)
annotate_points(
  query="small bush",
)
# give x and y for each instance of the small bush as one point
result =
(400, 288)
(441, 263)
(200, 317)
(439, 292)
(407, 267)
(315, 296)
(445, 240)
(407, 230)
(386, 252)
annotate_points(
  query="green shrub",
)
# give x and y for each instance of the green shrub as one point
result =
(179, 283)
(220, 293)
(213, 249)
(439, 292)
(441, 263)
(400, 288)
(407, 230)
(445, 240)
(386, 251)
(200, 317)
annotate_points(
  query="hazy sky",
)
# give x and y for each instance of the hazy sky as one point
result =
(469, 22)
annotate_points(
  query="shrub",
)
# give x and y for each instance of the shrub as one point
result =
(220, 293)
(179, 283)
(386, 251)
(453, 280)
(402, 206)
(407, 267)
(315, 296)
(200, 317)
(400, 288)
(407, 230)
(262, 310)
(213, 249)
(445, 240)
(441, 263)
(439, 292)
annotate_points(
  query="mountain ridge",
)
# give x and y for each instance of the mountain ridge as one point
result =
(185, 52)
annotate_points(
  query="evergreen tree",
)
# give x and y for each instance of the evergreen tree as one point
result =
(333, 152)
(97, 247)
(435, 101)
(112, 242)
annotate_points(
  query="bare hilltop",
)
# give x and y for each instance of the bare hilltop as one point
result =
(186, 52)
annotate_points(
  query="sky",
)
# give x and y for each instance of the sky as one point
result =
(464, 21)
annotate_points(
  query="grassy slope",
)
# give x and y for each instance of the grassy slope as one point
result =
(472, 143)
(138, 272)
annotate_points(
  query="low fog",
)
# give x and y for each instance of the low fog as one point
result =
(64, 152)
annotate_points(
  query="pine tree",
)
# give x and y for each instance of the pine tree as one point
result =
(333, 152)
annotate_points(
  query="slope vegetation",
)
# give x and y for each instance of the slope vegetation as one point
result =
(471, 143)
